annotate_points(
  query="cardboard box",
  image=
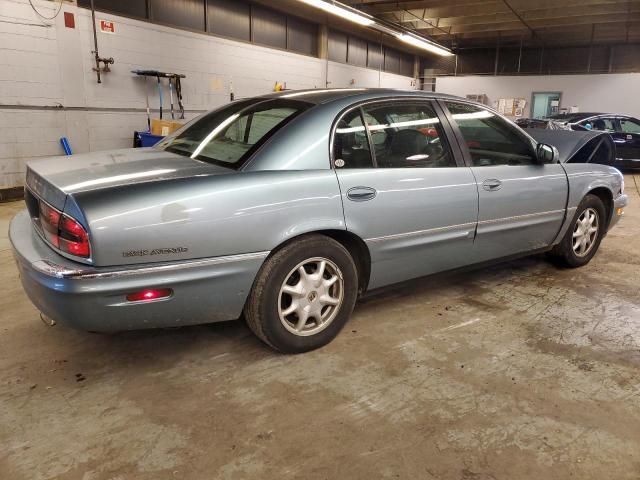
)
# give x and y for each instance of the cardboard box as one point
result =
(164, 127)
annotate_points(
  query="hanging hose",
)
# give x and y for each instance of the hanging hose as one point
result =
(160, 95)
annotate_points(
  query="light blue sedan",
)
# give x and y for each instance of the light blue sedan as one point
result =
(285, 208)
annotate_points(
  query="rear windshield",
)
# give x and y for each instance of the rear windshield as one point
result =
(228, 136)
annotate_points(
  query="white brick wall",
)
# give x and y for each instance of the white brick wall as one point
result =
(614, 92)
(52, 66)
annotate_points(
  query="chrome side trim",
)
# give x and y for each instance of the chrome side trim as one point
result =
(421, 232)
(58, 271)
(520, 217)
(464, 225)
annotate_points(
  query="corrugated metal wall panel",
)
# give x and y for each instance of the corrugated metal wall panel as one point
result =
(130, 8)
(181, 13)
(406, 64)
(391, 60)
(337, 46)
(566, 60)
(375, 55)
(230, 18)
(599, 59)
(531, 60)
(268, 27)
(536, 61)
(626, 58)
(357, 52)
(480, 61)
(302, 36)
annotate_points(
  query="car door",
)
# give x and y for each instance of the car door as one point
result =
(521, 202)
(627, 139)
(610, 125)
(403, 190)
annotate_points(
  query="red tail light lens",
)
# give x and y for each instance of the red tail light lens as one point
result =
(150, 294)
(49, 220)
(73, 238)
(64, 232)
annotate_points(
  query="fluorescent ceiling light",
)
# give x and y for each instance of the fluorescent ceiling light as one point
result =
(341, 11)
(423, 44)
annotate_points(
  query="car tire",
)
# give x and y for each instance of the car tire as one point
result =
(290, 287)
(584, 235)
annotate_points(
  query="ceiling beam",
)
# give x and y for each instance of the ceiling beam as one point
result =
(535, 24)
(441, 7)
(414, 17)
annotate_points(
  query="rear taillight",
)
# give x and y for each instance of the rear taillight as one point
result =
(49, 221)
(64, 232)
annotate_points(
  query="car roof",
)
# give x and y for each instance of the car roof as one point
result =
(326, 95)
(577, 117)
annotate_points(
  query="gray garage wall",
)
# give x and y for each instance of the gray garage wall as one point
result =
(48, 89)
(617, 93)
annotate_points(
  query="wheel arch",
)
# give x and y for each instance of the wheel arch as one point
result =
(606, 196)
(356, 247)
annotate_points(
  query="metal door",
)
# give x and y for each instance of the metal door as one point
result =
(413, 205)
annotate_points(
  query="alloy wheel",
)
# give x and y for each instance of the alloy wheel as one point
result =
(311, 296)
(585, 232)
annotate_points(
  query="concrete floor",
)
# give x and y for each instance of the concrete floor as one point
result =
(518, 371)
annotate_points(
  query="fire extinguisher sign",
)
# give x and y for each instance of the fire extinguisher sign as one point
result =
(107, 26)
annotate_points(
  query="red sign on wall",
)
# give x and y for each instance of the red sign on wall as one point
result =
(69, 20)
(107, 27)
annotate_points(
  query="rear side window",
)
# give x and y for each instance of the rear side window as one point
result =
(490, 140)
(407, 136)
(230, 135)
(350, 144)
(629, 126)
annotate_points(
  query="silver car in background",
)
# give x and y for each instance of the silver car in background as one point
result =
(284, 208)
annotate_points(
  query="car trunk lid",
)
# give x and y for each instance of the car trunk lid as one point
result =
(52, 179)
(52, 183)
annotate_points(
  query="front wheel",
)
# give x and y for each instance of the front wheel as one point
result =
(583, 237)
(303, 295)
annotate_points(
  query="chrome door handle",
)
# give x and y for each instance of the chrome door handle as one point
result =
(361, 194)
(492, 184)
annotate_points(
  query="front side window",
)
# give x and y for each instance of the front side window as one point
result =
(230, 135)
(490, 140)
(407, 136)
(604, 124)
(629, 126)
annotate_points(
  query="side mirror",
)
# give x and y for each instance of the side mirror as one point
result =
(547, 153)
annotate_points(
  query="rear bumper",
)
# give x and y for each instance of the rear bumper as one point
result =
(90, 298)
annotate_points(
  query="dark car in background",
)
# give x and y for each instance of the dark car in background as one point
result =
(624, 130)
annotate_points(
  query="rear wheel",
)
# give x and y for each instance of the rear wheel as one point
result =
(303, 295)
(583, 237)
